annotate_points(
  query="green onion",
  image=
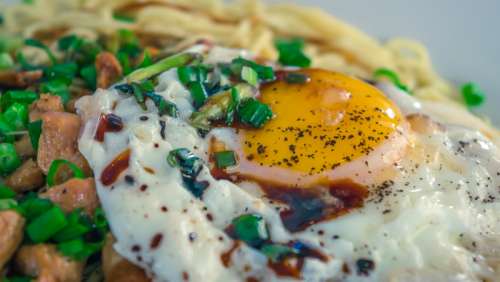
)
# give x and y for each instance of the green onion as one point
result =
(6, 61)
(139, 95)
(68, 42)
(296, 78)
(77, 226)
(6, 130)
(19, 96)
(233, 105)
(263, 72)
(32, 206)
(174, 61)
(9, 160)
(10, 43)
(38, 44)
(100, 221)
(46, 225)
(254, 113)
(89, 75)
(291, 53)
(249, 75)
(181, 157)
(123, 18)
(129, 43)
(7, 204)
(472, 94)
(57, 87)
(56, 165)
(6, 192)
(277, 252)
(198, 93)
(392, 76)
(188, 74)
(251, 229)
(17, 115)
(146, 61)
(124, 62)
(72, 248)
(35, 130)
(225, 159)
(190, 166)
(164, 106)
(64, 72)
(17, 279)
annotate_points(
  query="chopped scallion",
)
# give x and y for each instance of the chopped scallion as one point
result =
(9, 159)
(291, 53)
(7, 204)
(277, 252)
(17, 115)
(57, 87)
(19, 96)
(6, 61)
(32, 206)
(198, 93)
(254, 113)
(174, 61)
(164, 106)
(38, 44)
(89, 75)
(6, 192)
(250, 76)
(54, 169)
(251, 229)
(46, 225)
(35, 130)
(392, 76)
(296, 78)
(472, 94)
(225, 159)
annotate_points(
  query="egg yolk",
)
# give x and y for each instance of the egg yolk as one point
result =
(318, 125)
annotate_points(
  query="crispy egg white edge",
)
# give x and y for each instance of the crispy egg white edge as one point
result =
(420, 237)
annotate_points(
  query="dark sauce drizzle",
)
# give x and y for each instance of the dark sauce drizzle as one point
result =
(108, 123)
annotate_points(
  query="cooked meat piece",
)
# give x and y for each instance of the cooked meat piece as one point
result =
(11, 234)
(47, 264)
(108, 69)
(19, 79)
(74, 193)
(24, 148)
(59, 140)
(26, 177)
(118, 269)
(46, 103)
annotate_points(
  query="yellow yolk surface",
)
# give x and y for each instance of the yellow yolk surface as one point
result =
(321, 124)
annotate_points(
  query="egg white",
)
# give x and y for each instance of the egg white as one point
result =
(437, 221)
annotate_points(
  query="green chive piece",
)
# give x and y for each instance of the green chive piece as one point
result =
(6, 192)
(198, 93)
(124, 62)
(291, 53)
(17, 115)
(146, 61)
(10, 44)
(9, 159)
(139, 95)
(19, 96)
(7, 204)
(251, 229)
(57, 87)
(6, 61)
(77, 226)
(189, 74)
(164, 106)
(296, 78)
(472, 94)
(264, 73)
(35, 130)
(32, 206)
(89, 75)
(123, 17)
(38, 44)
(64, 72)
(174, 61)
(225, 159)
(72, 248)
(46, 225)
(6, 129)
(56, 165)
(100, 221)
(391, 76)
(221, 105)
(277, 252)
(68, 42)
(17, 279)
(254, 113)
(181, 157)
(250, 76)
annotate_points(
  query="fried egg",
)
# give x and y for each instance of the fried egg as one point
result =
(362, 174)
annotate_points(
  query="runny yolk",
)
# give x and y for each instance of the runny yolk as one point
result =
(321, 124)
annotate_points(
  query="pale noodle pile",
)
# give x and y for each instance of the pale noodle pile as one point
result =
(250, 24)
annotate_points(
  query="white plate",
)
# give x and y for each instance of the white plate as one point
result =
(462, 36)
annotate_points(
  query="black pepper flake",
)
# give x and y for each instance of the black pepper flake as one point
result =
(164, 209)
(364, 266)
(163, 125)
(129, 179)
(192, 236)
(136, 248)
(185, 276)
(156, 241)
(143, 187)
(210, 217)
(144, 118)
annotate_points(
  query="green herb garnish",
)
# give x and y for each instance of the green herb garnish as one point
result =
(472, 94)
(391, 76)
(35, 130)
(251, 229)
(54, 169)
(46, 225)
(9, 159)
(291, 53)
(225, 159)
(174, 61)
(254, 113)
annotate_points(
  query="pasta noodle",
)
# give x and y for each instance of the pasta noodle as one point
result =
(250, 24)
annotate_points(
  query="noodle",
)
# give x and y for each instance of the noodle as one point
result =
(250, 24)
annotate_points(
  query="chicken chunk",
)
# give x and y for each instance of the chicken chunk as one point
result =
(24, 148)
(108, 69)
(59, 140)
(19, 79)
(47, 264)
(11, 234)
(46, 103)
(26, 177)
(74, 193)
(118, 269)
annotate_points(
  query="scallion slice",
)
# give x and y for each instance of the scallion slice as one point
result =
(57, 87)
(250, 76)
(296, 78)
(198, 93)
(35, 130)
(77, 226)
(472, 94)
(46, 225)
(251, 229)
(38, 44)
(54, 169)
(7, 204)
(392, 76)
(174, 61)
(254, 113)
(291, 53)
(6, 192)
(19, 96)
(277, 252)
(225, 159)
(9, 159)
(32, 206)
(6, 61)
(164, 106)
(17, 115)
(89, 75)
